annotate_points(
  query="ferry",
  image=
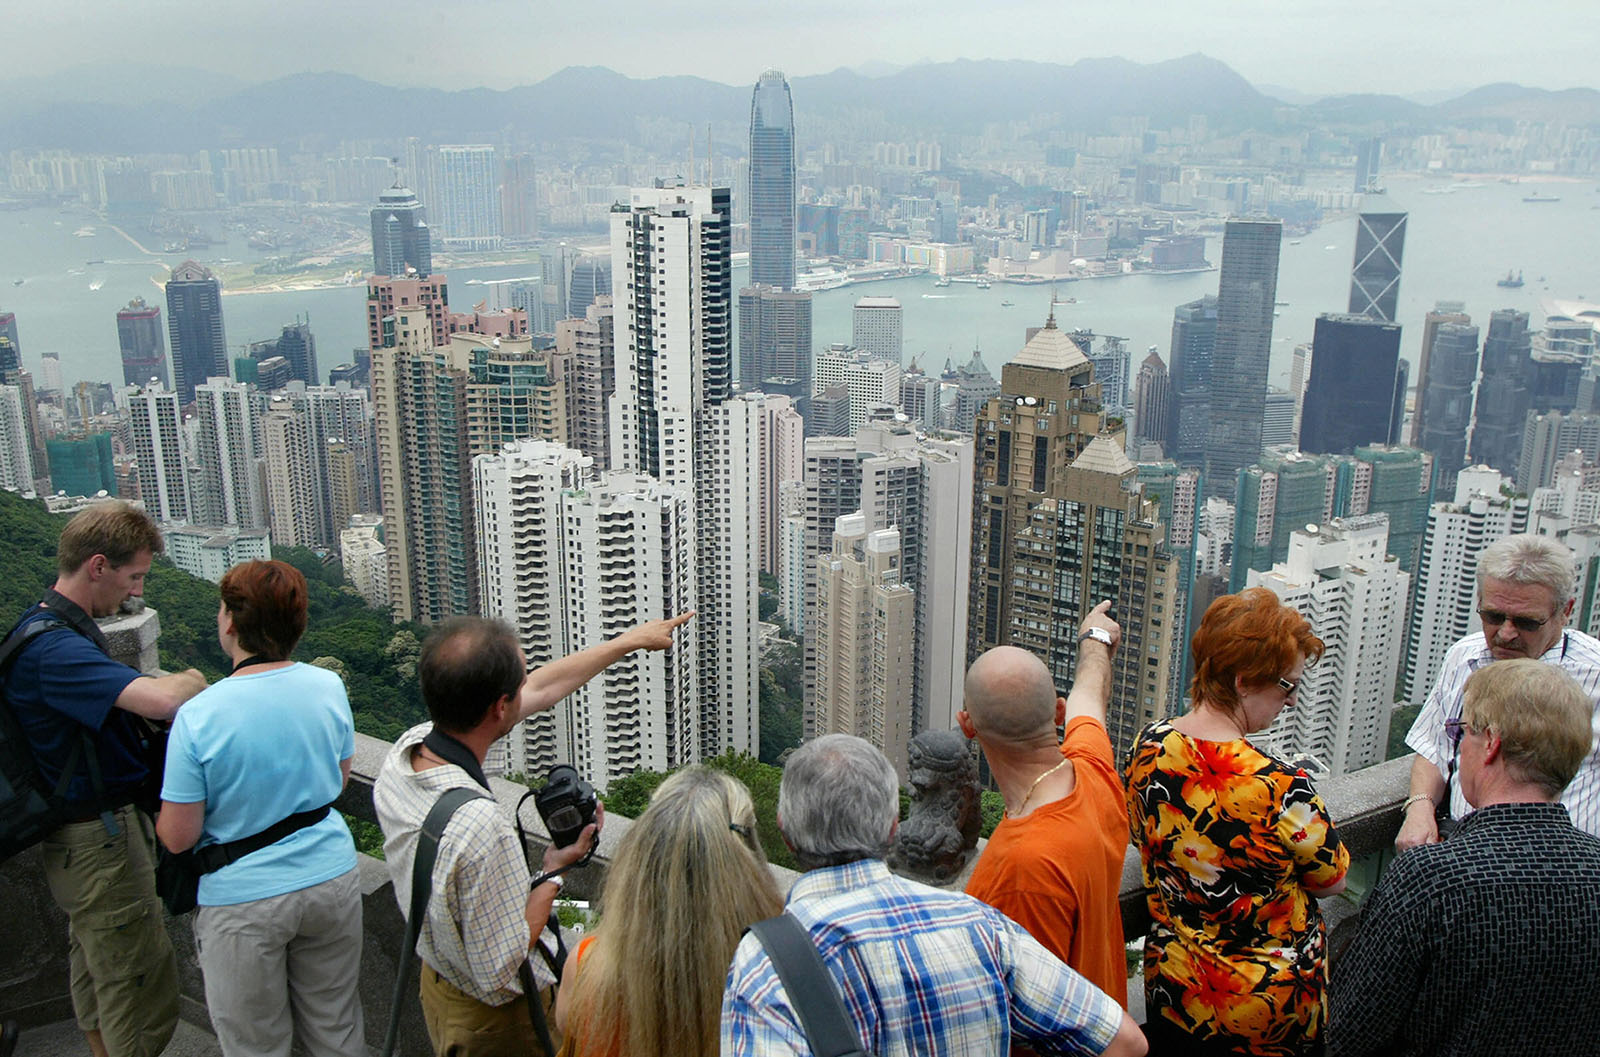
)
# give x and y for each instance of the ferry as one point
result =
(1007, 304)
(1538, 197)
(942, 281)
(85, 233)
(983, 283)
(1510, 281)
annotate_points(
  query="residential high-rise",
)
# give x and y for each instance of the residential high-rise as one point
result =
(426, 300)
(1152, 403)
(866, 642)
(1375, 276)
(144, 346)
(772, 182)
(1246, 294)
(675, 417)
(468, 207)
(293, 477)
(1177, 493)
(877, 326)
(156, 430)
(920, 397)
(16, 455)
(402, 242)
(775, 341)
(782, 462)
(1341, 577)
(228, 491)
(297, 345)
(589, 344)
(1502, 404)
(567, 558)
(1194, 342)
(519, 196)
(1547, 439)
(361, 553)
(1445, 607)
(336, 425)
(1097, 536)
(194, 323)
(1353, 396)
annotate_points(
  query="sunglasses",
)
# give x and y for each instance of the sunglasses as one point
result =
(1289, 685)
(1455, 730)
(1494, 618)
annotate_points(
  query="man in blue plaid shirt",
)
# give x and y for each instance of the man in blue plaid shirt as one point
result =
(922, 971)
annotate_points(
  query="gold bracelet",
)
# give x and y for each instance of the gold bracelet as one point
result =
(1413, 798)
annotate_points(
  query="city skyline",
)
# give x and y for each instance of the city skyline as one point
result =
(1268, 44)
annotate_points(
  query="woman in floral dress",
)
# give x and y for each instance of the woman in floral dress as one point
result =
(1237, 848)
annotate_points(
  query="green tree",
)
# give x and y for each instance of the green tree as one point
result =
(630, 795)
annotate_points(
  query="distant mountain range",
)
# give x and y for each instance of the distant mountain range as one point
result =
(181, 111)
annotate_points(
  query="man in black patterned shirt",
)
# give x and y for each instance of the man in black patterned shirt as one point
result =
(1485, 944)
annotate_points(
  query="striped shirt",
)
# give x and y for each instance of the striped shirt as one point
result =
(922, 971)
(1577, 654)
(475, 935)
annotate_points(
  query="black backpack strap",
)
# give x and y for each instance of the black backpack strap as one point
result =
(214, 857)
(421, 892)
(20, 638)
(812, 993)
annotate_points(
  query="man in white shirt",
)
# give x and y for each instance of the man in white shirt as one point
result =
(482, 919)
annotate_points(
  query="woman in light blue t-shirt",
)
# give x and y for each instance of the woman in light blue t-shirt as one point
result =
(278, 931)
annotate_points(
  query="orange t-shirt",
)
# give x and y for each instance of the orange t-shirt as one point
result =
(574, 1029)
(1056, 871)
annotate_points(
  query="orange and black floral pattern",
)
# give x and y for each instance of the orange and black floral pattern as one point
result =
(1230, 839)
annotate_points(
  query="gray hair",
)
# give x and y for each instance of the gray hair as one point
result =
(838, 801)
(1530, 560)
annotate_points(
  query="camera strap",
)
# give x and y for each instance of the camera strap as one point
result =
(454, 752)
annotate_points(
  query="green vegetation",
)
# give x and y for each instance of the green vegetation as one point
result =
(631, 795)
(1399, 726)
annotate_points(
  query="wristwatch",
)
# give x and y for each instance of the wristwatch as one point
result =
(555, 879)
(1097, 634)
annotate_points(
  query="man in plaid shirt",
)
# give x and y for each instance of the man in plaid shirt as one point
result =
(921, 970)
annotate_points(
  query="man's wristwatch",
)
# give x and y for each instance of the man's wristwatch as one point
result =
(555, 879)
(1097, 634)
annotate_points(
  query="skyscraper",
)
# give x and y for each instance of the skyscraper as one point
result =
(772, 191)
(427, 300)
(1442, 313)
(297, 345)
(1152, 402)
(1502, 405)
(865, 632)
(782, 462)
(194, 323)
(156, 427)
(1194, 342)
(589, 343)
(228, 491)
(877, 326)
(401, 238)
(1354, 394)
(1369, 156)
(144, 346)
(468, 210)
(591, 278)
(775, 341)
(16, 456)
(1375, 276)
(675, 417)
(1342, 579)
(1245, 297)
(293, 475)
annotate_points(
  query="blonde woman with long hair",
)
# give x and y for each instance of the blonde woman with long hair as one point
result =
(688, 878)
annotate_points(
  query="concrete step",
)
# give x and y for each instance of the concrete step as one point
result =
(63, 1039)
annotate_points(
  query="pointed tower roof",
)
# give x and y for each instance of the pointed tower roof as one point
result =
(1051, 348)
(1104, 455)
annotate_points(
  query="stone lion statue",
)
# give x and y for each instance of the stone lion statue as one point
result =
(937, 838)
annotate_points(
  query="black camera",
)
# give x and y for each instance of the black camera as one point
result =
(566, 803)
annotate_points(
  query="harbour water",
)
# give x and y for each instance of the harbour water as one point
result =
(1457, 246)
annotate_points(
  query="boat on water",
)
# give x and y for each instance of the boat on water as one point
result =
(1007, 304)
(97, 284)
(85, 233)
(17, 282)
(1510, 280)
(984, 284)
(1540, 197)
(942, 281)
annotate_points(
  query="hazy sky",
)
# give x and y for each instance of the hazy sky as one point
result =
(1316, 47)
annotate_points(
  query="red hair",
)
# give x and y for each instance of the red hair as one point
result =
(1250, 637)
(267, 601)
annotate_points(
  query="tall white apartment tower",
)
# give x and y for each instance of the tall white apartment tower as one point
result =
(675, 417)
(866, 639)
(876, 326)
(1445, 608)
(782, 461)
(226, 450)
(16, 456)
(157, 430)
(628, 555)
(1342, 579)
(294, 476)
(468, 205)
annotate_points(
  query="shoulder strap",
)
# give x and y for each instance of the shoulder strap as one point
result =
(214, 857)
(18, 639)
(421, 892)
(809, 985)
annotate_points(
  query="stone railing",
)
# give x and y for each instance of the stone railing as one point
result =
(33, 963)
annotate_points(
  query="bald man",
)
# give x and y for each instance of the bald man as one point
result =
(1054, 864)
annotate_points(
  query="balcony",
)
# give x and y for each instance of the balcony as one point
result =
(34, 969)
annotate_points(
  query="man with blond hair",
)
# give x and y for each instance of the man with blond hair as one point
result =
(1054, 863)
(1485, 944)
(1525, 598)
(83, 715)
